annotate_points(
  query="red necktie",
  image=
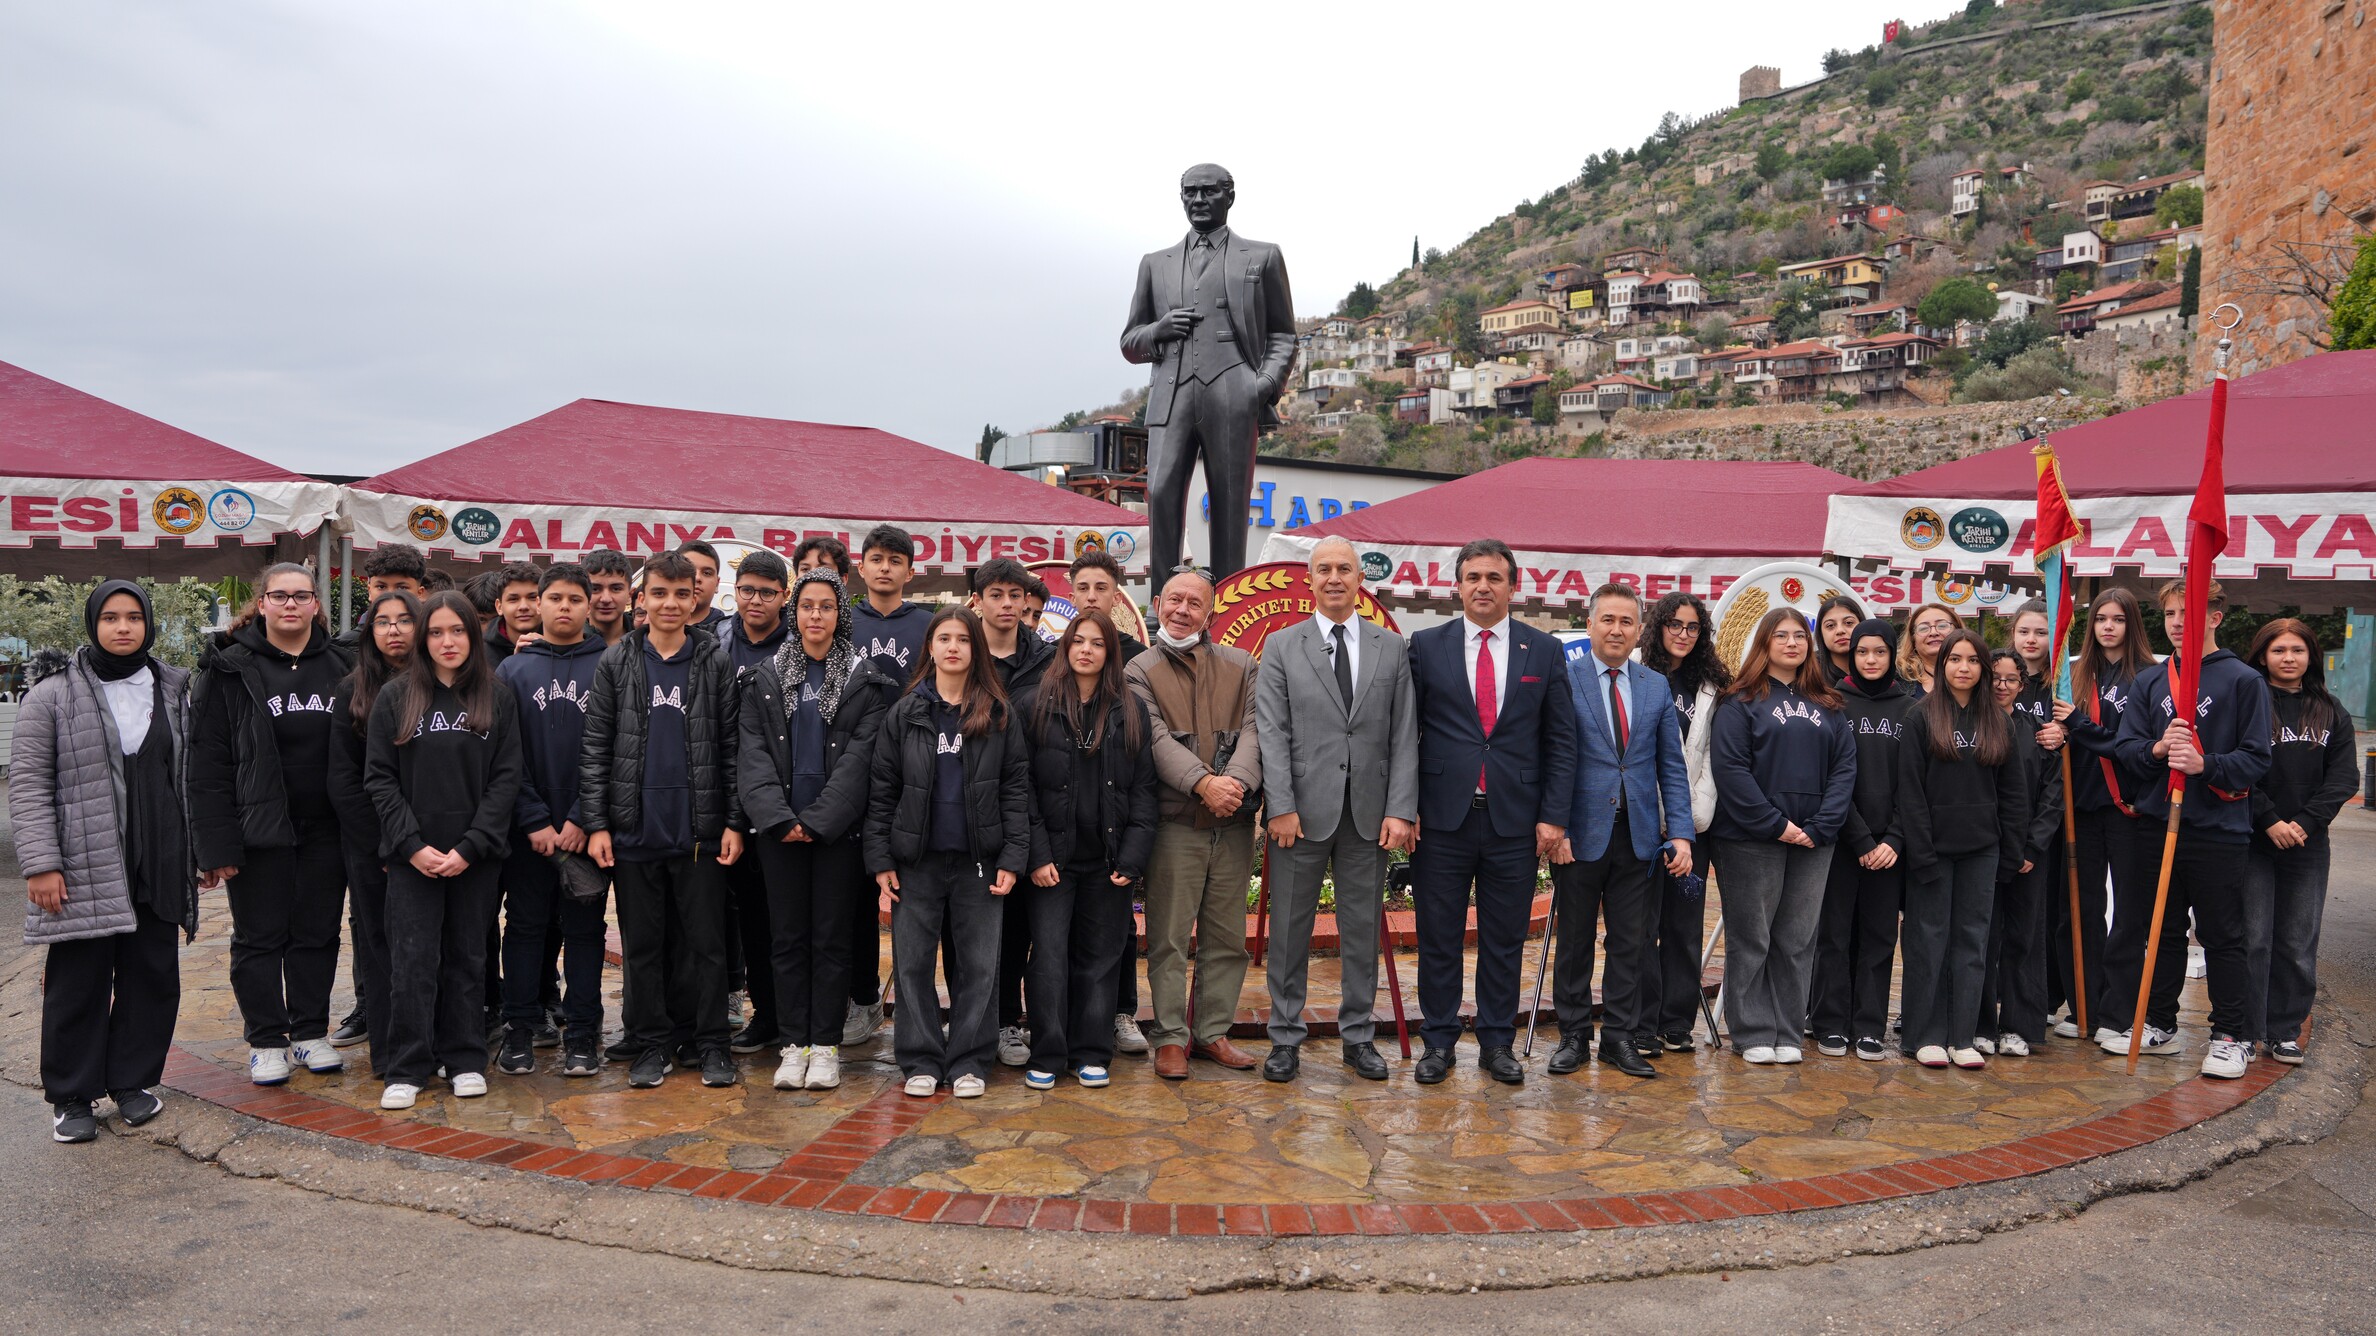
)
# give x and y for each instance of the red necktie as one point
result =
(1488, 709)
(1617, 712)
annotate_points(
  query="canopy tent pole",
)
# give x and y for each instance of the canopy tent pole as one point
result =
(346, 563)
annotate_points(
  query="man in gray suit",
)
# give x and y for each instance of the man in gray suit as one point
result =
(1340, 739)
(1214, 316)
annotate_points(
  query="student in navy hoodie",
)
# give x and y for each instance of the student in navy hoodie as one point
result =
(889, 630)
(1859, 931)
(2224, 756)
(2312, 773)
(2103, 672)
(442, 765)
(656, 798)
(549, 678)
(1785, 767)
(1962, 806)
(2013, 985)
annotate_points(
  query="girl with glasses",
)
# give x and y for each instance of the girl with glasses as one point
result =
(2013, 983)
(391, 629)
(262, 712)
(1918, 649)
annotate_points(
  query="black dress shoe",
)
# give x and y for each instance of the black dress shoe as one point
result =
(1434, 1065)
(1282, 1064)
(1502, 1065)
(1648, 1047)
(1567, 1057)
(1365, 1061)
(1620, 1054)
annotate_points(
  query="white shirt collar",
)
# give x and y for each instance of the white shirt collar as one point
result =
(1498, 629)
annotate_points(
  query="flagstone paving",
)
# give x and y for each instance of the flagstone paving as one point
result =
(1594, 1148)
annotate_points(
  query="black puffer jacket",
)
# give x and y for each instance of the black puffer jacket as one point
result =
(611, 764)
(997, 789)
(764, 753)
(237, 799)
(1127, 808)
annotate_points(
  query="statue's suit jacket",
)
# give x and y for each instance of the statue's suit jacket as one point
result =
(1261, 313)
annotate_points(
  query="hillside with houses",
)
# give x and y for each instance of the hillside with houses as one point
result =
(1993, 207)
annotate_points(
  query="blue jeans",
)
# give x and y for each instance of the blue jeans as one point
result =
(2284, 900)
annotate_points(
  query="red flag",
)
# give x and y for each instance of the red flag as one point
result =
(2206, 538)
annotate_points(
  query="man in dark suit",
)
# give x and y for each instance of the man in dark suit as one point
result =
(1497, 769)
(1214, 316)
(1632, 790)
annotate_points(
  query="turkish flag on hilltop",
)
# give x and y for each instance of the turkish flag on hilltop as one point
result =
(2206, 538)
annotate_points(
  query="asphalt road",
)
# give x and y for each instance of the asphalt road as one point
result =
(124, 1236)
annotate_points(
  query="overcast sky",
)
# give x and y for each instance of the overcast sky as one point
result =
(343, 236)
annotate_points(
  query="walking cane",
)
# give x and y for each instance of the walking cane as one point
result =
(1402, 1027)
(1708, 1009)
(2071, 867)
(1542, 967)
(1262, 909)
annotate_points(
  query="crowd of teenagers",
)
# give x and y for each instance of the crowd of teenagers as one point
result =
(472, 778)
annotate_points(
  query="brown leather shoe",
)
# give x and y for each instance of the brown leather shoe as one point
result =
(1227, 1054)
(1171, 1062)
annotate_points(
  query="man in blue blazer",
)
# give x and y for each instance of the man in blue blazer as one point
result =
(1632, 793)
(1497, 769)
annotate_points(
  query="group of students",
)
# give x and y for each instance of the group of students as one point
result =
(469, 773)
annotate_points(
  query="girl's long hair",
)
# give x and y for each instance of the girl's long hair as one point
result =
(1702, 667)
(474, 681)
(1910, 665)
(1992, 734)
(255, 607)
(373, 670)
(1855, 609)
(1813, 680)
(2093, 664)
(2035, 607)
(2319, 706)
(1058, 695)
(985, 702)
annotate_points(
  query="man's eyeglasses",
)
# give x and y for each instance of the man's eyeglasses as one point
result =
(284, 598)
(754, 594)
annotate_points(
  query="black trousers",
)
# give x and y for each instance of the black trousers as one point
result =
(2105, 837)
(285, 910)
(1014, 961)
(437, 937)
(1502, 870)
(2132, 921)
(1854, 942)
(866, 948)
(2013, 988)
(1673, 953)
(1621, 889)
(107, 1010)
(672, 940)
(2207, 877)
(1948, 906)
(533, 904)
(367, 916)
(951, 890)
(812, 891)
(750, 938)
(1102, 952)
(1047, 916)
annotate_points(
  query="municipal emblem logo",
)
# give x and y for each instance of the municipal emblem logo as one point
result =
(178, 510)
(426, 523)
(1956, 593)
(1922, 529)
(1088, 541)
(231, 509)
(477, 526)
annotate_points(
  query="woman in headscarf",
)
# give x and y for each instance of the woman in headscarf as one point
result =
(95, 792)
(809, 718)
(1859, 931)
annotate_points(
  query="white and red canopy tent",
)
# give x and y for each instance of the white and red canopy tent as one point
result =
(94, 489)
(2301, 493)
(1659, 525)
(596, 474)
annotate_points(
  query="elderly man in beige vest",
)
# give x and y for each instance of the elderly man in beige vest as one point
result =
(1208, 764)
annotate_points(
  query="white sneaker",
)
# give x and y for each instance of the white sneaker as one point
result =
(1788, 1053)
(268, 1066)
(1931, 1055)
(1984, 1044)
(1127, 1036)
(968, 1087)
(792, 1074)
(2013, 1046)
(470, 1085)
(824, 1069)
(1761, 1054)
(922, 1087)
(2158, 1042)
(861, 1023)
(2066, 1029)
(2105, 1036)
(317, 1055)
(2227, 1058)
(1969, 1059)
(398, 1095)
(1014, 1046)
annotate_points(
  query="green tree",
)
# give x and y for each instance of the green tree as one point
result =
(991, 436)
(48, 613)
(2040, 371)
(1835, 60)
(2179, 206)
(2352, 323)
(1889, 157)
(1414, 251)
(2190, 288)
(1956, 299)
(1771, 160)
(2068, 284)
(1545, 410)
(1797, 312)
(2004, 340)
(1849, 162)
(1361, 301)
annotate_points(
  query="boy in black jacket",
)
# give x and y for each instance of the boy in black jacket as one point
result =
(2224, 755)
(551, 678)
(656, 797)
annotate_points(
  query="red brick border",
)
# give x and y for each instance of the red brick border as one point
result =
(817, 1176)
